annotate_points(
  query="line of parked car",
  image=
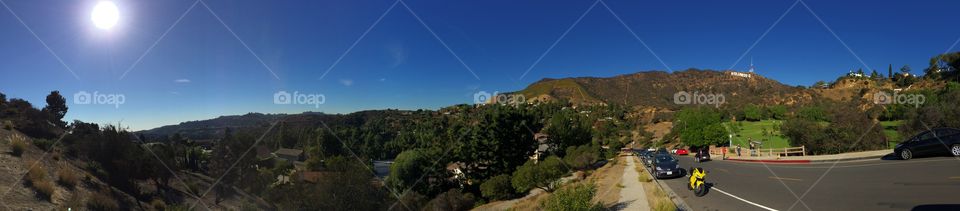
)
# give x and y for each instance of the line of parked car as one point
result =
(660, 163)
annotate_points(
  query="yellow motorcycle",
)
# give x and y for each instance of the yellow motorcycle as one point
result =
(698, 181)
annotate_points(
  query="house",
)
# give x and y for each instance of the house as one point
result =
(855, 74)
(540, 152)
(310, 176)
(543, 145)
(206, 144)
(291, 155)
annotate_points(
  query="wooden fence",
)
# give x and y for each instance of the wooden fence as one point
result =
(779, 152)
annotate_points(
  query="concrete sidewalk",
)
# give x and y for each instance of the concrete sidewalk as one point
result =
(632, 196)
(876, 154)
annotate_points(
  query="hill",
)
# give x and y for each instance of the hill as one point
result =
(657, 89)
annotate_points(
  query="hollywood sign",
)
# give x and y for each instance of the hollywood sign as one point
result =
(739, 74)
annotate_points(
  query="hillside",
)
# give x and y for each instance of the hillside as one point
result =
(657, 89)
(19, 195)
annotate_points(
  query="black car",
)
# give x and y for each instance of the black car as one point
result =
(648, 158)
(938, 141)
(665, 166)
(702, 155)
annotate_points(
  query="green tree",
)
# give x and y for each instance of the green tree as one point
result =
(498, 188)
(700, 126)
(417, 167)
(581, 157)
(778, 112)
(56, 107)
(890, 71)
(543, 175)
(752, 112)
(567, 129)
(496, 142)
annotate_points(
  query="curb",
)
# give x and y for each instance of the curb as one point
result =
(681, 205)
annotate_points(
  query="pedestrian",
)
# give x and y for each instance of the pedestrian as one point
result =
(738, 150)
(753, 147)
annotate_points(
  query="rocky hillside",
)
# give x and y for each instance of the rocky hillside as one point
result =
(657, 89)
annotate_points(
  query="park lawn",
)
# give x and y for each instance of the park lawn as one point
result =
(754, 131)
(890, 130)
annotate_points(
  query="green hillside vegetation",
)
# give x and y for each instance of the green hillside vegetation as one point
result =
(565, 87)
(890, 130)
(767, 132)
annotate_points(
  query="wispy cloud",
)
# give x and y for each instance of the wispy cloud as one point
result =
(346, 82)
(382, 79)
(182, 81)
(398, 53)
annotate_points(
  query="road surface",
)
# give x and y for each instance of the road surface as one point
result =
(882, 184)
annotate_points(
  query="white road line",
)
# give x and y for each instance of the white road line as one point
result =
(741, 199)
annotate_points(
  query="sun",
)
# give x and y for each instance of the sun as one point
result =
(105, 15)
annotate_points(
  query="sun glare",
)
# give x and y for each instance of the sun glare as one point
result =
(105, 15)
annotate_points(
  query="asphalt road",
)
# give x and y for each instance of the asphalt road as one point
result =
(882, 184)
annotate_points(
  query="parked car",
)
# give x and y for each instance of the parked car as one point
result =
(703, 154)
(665, 166)
(648, 158)
(938, 141)
(682, 152)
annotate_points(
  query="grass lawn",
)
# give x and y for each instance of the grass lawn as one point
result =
(755, 131)
(890, 130)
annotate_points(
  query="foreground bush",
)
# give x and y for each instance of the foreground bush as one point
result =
(451, 200)
(17, 145)
(44, 189)
(36, 173)
(576, 197)
(37, 179)
(67, 178)
(102, 201)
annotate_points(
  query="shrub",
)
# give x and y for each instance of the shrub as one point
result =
(575, 197)
(451, 200)
(158, 204)
(102, 201)
(36, 173)
(67, 178)
(543, 175)
(43, 188)
(498, 188)
(18, 145)
(7, 125)
(581, 157)
(664, 204)
(43, 144)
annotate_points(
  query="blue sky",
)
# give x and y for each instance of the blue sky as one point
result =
(200, 70)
